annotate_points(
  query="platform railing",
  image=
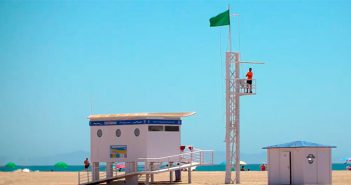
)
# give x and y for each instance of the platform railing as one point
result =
(86, 176)
(244, 87)
(193, 158)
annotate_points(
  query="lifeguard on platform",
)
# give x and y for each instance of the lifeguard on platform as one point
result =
(249, 76)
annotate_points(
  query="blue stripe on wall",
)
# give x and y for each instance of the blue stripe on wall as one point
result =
(135, 122)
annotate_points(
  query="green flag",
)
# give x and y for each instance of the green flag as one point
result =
(221, 19)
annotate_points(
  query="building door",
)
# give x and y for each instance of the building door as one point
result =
(285, 167)
(310, 170)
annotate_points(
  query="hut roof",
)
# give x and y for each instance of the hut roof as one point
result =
(299, 144)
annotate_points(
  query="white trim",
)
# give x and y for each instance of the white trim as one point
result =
(139, 116)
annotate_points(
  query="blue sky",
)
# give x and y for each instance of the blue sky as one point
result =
(162, 56)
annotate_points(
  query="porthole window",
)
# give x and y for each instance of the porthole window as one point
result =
(99, 133)
(118, 133)
(136, 132)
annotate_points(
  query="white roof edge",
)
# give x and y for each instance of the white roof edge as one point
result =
(140, 115)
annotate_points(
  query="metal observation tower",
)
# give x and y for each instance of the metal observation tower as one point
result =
(235, 87)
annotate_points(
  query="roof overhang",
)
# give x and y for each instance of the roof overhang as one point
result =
(131, 116)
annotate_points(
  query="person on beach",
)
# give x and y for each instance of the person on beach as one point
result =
(249, 76)
(86, 164)
(242, 168)
(178, 175)
(263, 167)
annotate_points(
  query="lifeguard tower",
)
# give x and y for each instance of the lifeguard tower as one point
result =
(148, 143)
(235, 88)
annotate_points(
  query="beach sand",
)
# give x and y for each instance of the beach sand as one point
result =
(70, 178)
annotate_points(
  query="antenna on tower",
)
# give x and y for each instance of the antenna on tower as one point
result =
(91, 105)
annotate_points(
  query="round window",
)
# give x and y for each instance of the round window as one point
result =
(99, 133)
(136, 132)
(118, 132)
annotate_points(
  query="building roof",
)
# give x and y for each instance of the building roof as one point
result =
(299, 144)
(129, 116)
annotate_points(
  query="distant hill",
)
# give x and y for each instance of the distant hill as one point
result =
(72, 158)
(77, 158)
(256, 158)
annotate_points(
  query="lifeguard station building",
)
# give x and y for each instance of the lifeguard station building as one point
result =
(132, 138)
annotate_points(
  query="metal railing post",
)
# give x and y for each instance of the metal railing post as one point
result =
(189, 175)
(152, 169)
(192, 156)
(200, 157)
(78, 177)
(88, 176)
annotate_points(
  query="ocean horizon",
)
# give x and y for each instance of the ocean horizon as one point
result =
(76, 168)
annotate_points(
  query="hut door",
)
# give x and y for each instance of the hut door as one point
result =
(285, 167)
(310, 170)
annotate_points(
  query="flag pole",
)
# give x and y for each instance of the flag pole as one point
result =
(228, 178)
(230, 32)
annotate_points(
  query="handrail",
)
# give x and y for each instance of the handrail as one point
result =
(159, 158)
(194, 158)
(245, 88)
(82, 178)
(177, 155)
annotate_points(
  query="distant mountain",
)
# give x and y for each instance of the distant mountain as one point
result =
(72, 158)
(4, 160)
(77, 158)
(255, 158)
(258, 158)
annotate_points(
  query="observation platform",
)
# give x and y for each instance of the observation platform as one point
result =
(246, 89)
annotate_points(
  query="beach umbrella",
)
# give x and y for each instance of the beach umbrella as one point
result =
(120, 166)
(243, 163)
(61, 165)
(10, 165)
(26, 170)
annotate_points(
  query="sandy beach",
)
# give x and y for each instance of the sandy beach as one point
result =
(70, 178)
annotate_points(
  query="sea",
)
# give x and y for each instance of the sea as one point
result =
(76, 168)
